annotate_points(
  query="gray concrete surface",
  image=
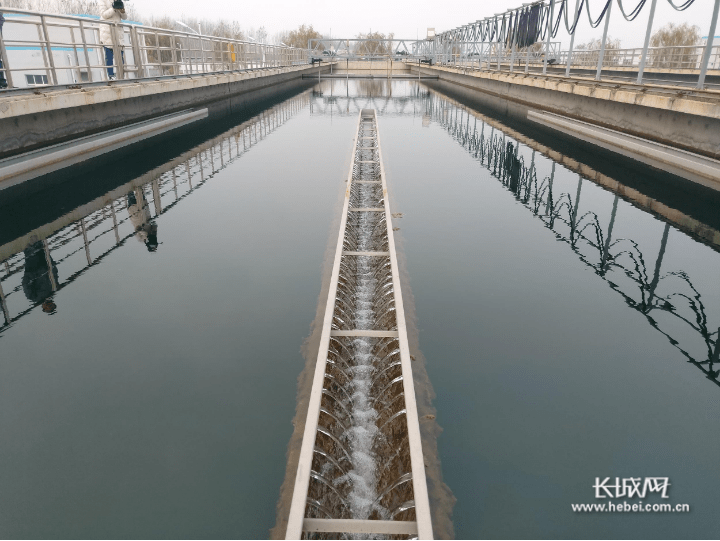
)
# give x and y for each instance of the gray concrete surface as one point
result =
(55, 115)
(673, 116)
(700, 169)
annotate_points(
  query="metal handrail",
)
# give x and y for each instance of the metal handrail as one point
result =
(678, 58)
(142, 51)
(540, 21)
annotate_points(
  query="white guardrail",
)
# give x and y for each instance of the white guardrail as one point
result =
(39, 49)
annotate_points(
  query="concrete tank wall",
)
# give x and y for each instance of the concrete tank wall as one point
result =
(674, 116)
(34, 120)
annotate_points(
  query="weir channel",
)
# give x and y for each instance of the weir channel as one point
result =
(361, 455)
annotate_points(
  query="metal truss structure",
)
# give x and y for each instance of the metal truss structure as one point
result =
(532, 26)
(376, 95)
(363, 49)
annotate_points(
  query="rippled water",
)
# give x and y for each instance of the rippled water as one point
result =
(567, 308)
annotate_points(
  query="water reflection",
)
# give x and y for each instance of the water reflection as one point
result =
(51, 257)
(337, 97)
(139, 212)
(40, 276)
(668, 300)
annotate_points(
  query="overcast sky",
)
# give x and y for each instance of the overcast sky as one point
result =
(409, 19)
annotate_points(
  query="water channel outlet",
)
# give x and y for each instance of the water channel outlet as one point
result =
(361, 469)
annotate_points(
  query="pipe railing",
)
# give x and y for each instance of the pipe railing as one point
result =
(71, 51)
(535, 24)
(674, 59)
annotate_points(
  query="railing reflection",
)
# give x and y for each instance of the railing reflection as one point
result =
(338, 97)
(44, 261)
(668, 300)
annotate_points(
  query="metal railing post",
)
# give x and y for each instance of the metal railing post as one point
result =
(568, 61)
(115, 223)
(173, 50)
(512, 56)
(6, 65)
(3, 305)
(643, 58)
(87, 54)
(157, 50)
(48, 49)
(49, 261)
(601, 56)
(117, 52)
(527, 59)
(606, 249)
(708, 46)
(85, 241)
(75, 51)
(549, 32)
(137, 58)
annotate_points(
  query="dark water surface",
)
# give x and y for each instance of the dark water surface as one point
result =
(155, 399)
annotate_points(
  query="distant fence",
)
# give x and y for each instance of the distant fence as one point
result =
(40, 49)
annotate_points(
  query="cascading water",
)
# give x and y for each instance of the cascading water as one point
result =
(361, 448)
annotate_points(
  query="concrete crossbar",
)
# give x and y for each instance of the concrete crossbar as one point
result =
(344, 525)
(370, 334)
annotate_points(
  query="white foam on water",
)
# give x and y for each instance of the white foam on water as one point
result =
(361, 436)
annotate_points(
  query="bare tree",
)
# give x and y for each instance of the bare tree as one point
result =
(378, 44)
(589, 53)
(679, 44)
(219, 27)
(298, 38)
(65, 7)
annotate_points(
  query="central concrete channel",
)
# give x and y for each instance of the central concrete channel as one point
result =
(361, 467)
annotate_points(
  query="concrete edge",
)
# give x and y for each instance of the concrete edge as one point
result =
(704, 103)
(17, 169)
(296, 516)
(77, 96)
(417, 460)
(694, 167)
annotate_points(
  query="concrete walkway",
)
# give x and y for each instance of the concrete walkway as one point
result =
(32, 119)
(679, 117)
